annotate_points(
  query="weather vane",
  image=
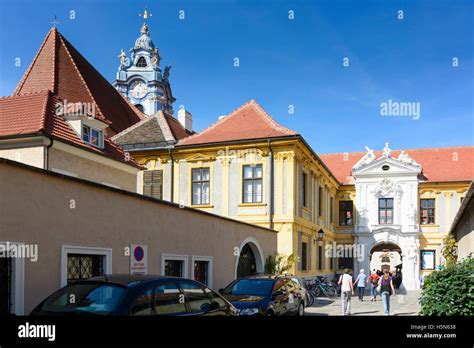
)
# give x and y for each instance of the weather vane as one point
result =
(54, 21)
(145, 14)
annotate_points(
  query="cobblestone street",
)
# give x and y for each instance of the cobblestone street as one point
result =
(402, 303)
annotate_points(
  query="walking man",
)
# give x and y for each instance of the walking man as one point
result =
(347, 289)
(361, 282)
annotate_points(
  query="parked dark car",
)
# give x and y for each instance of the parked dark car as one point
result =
(266, 295)
(135, 295)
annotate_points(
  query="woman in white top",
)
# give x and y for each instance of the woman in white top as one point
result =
(347, 289)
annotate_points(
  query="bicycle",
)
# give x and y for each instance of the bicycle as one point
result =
(317, 288)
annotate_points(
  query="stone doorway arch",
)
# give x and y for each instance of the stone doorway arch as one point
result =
(250, 260)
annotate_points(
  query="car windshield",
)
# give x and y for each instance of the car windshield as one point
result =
(256, 287)
(86, 298)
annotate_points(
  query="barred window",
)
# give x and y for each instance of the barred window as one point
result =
(82, 266)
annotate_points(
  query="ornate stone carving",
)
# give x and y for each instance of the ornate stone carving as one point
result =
(156, 58)
(386, 187)
(368, 158)
(386, 150)
(123, 58)
(405, 158)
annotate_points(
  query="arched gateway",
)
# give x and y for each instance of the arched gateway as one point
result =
(385, 256)
(250, 260)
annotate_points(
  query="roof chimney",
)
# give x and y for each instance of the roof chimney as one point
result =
(185, 118)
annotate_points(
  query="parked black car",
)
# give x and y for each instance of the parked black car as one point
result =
(266, 295)
(135, 295)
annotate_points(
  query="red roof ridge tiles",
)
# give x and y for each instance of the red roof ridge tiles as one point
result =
(270, 121)
(398, 150)
(99, 114)
(59, 67)
(441, 164)
(30, 68)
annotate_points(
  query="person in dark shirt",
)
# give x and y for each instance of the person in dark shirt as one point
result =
(386, 290)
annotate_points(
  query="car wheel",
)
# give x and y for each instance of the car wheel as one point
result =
(300, 310)
(270, 313)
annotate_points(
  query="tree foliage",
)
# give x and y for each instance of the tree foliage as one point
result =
(279, 264)
(449, 291)
(450, 250)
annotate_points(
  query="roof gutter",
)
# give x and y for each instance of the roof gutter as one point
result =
(46, 152)
(272, 181)
(172, 174)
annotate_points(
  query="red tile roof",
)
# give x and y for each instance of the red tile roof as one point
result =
(176, 128)
(60, 68)
(35, 114)
(249, 121)
(438, 164)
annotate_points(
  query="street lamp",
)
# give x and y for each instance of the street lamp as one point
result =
(320, 234)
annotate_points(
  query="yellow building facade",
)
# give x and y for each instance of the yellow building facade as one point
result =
(316, 203)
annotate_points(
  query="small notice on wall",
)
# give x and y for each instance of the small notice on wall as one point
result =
(138, 259)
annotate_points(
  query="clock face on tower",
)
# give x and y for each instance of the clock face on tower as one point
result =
(138, 89)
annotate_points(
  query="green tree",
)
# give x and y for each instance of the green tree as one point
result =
(450, 250)
(449, 291)
(279, 263)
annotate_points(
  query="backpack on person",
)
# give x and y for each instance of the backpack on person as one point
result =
(374, 279)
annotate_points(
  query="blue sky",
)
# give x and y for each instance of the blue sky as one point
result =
(283, 62)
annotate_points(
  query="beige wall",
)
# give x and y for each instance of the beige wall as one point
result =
(36, 208)
(33, 156)
(92, 167)
(466, 245)
(464, 231)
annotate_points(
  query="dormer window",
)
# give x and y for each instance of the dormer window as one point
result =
(92, 136)
(141, 62)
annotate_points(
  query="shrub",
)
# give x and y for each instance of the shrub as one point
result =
(449, 291)
(279, 264)
(450, 249)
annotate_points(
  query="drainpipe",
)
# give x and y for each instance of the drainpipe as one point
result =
(172, 176)
(46, 155)
(272, 179)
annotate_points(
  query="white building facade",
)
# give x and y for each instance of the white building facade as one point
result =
(387, 214)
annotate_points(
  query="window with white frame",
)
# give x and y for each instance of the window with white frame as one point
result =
(252, 183)
(84, 262)
(200, 186)
(92, 136)
(202, 269)
(174, 265)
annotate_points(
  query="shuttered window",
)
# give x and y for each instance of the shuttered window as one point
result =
(153, 183)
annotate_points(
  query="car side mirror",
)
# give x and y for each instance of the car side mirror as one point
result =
(277, 294)
(221, 290)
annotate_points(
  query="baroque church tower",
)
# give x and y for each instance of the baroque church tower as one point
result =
(140, 77)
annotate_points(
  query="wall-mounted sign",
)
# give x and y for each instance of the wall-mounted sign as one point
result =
(138, 259)
(427, 259)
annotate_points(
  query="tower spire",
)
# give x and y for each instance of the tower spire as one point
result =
(145, 15)
(54, 21)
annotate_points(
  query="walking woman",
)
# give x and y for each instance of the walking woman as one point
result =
(374, 281)
(386, 290)
(361, 282)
